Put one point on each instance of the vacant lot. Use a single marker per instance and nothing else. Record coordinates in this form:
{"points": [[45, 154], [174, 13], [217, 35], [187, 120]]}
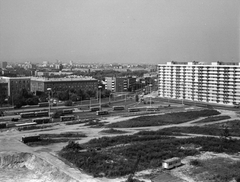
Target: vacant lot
{"points": [[216, 169], [116, 156], [166, 119]]}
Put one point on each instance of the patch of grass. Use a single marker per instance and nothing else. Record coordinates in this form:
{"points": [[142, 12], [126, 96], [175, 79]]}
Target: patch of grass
{"points": [[213, 118], [166, 119], [214, 129], [113, 131]]}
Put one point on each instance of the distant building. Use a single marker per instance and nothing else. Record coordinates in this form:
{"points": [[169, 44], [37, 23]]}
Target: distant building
{"points": [[58, 84], [16, 84], [120, 84], [4, 64], [218, 82]]}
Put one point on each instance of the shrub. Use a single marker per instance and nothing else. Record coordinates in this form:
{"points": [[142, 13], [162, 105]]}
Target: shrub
{"points": [[195, 162]]}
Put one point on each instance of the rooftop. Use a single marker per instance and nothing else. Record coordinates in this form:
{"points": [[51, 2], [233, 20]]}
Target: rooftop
{"points": [[202, 63], [43, 79]]}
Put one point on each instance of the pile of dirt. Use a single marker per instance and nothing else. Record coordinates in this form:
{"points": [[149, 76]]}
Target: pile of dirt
{"points": [[23, 167]]}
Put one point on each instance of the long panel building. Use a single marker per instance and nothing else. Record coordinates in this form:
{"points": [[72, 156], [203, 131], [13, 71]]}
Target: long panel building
{"points": [[57, 84], [218, 82]]}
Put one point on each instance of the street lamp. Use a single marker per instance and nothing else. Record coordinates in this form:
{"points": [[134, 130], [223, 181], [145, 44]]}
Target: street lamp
{"points": [[49, 91], [100, 87]]}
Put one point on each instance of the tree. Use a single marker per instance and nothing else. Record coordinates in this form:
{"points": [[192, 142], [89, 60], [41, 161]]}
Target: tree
{"points": [[137, 98], [32, 101], [73, 97]]}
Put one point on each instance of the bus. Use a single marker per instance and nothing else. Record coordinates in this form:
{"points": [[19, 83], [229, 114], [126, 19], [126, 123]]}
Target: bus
{"points": [[102, 113], [133, 109], [42, 113], [152, 109], [27, 114], [92, 109], [33, 138], [67, 111], [26, 124], [43, 104], [42, 120], [67, 118], [118, 108]]}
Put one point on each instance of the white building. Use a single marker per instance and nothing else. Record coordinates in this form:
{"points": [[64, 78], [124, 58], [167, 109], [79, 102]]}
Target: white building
{"points": [[218, 82]]}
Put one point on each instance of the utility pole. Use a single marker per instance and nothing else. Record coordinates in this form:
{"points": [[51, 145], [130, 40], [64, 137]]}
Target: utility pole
{"points": [[49, 98], [100, 87]]}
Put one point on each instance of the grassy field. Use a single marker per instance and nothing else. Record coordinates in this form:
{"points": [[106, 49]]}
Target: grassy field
{"points": [[166, 119]]}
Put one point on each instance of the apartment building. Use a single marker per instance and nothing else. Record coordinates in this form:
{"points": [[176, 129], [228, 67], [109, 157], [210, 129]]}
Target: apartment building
{"points": [[16, 84], [218, 82], [120, 84], [58, 84]]}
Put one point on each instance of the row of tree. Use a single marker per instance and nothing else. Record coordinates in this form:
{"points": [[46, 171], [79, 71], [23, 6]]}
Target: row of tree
{"points": [[25, 97]]}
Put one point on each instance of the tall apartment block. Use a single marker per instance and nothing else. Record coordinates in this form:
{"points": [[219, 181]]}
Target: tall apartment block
{"points": [[218, 82]]}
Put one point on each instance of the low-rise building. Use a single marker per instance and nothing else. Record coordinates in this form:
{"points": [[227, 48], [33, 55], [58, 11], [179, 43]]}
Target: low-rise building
{"points": [[57, 84], [120, 84]]}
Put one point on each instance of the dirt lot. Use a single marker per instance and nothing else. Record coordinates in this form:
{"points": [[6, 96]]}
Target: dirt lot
{"points": [[10, 141]]}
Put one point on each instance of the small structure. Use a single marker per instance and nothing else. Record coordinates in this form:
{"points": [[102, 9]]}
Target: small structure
{"points": [[171, 163]]}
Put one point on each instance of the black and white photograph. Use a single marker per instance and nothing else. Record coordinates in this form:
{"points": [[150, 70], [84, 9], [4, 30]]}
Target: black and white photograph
{"points": [[119, 91]]}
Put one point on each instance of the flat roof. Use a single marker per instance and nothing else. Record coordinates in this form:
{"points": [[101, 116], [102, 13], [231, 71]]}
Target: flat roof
{"points": [[42, 79], [15, 78], [172, 159]]}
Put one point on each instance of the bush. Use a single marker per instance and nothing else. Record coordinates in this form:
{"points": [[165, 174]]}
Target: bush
{"points": [[195, 162], [72, 146]]}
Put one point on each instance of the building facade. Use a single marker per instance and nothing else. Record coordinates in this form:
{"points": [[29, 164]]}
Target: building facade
{"points": [[16, 84], [59, 84], [120, 84], [4, 64], [3, 89], [217, 82]]}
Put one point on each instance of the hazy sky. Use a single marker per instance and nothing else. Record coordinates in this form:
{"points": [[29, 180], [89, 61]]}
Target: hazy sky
{"points": [[119, 31]]}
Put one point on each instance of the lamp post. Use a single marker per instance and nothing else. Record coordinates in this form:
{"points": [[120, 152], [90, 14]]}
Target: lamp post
{"points": [[49, 91], [100, 87]]}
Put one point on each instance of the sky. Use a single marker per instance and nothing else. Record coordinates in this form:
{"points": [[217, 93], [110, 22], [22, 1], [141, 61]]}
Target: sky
{"points": [[119, 31]]}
